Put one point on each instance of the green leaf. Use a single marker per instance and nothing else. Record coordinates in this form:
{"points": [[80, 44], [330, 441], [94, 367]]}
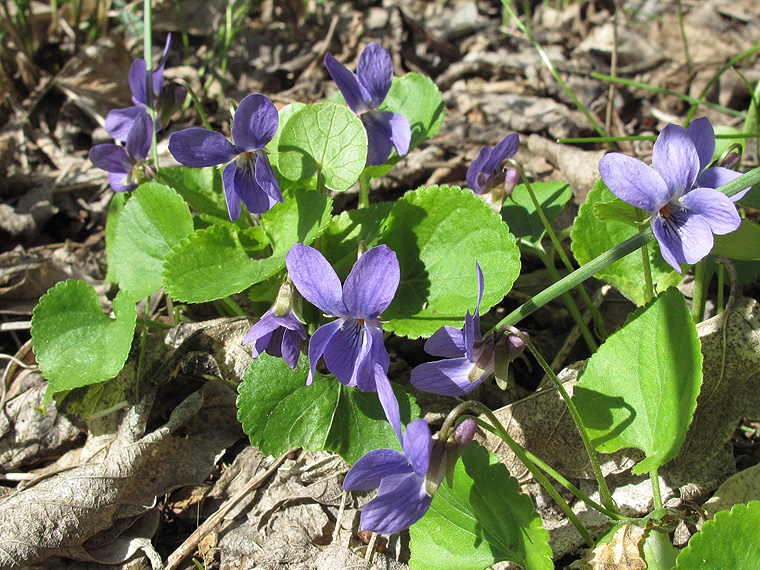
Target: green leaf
{"points": [[285, 114], [592, 237], [279, 411], [483, 519], [617, 211], [416, 97], [75, 342], [640, 388], [520, 213], [213, 263], [201, 188], [325, 137], [118, 201], [438, 233], [744, 243], [341, 239], [731, 540], [153, 221]]}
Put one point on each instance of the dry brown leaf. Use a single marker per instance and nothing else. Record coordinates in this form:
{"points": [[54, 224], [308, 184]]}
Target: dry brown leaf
{"points": [[622, 552]]}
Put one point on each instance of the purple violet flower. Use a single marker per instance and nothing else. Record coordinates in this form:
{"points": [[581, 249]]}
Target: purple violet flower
{"points": [[406, 482], [248, 177], [353, 344], [364, 91], [119, 121], [279, 332], [470, 358], [485, 177], [679, 192], [127, 164]]}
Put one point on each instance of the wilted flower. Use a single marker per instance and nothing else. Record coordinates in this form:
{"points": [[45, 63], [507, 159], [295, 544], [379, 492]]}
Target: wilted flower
{"points": [[279, 332], [470, 358], [119, 121], [248, 177], [127, 164], [679, 192], [485, 175], [406, 481], [364, 91], [353, 344]]}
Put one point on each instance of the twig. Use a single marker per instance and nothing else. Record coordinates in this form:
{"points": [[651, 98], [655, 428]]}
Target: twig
{"points": [[191, 543]]}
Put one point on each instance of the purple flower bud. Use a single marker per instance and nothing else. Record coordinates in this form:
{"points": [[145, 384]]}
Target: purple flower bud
{"points": [[731, 161], [464, 432]]}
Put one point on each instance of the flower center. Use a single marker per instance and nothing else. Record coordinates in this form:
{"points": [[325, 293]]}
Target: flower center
{"points": [[665, 210]]}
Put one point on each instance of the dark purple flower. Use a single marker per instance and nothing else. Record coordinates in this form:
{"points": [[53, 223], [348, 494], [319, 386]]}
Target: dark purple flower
{"points": [[364, 91], [119, 121], [406, 482], [279, 332], [485, 176], [127, 164], [470, 358], [679, 191], [353, 344], [248, 177]]}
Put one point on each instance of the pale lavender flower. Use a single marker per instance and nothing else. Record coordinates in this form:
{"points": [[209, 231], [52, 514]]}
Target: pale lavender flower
{"points": [[119, 121], [249, 176], [364, 91], [127, 164], [353, 344], [279, 332], [679, 191], [469, 358]]}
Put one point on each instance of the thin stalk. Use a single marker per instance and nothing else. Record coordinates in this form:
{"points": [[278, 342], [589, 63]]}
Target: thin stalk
{"points": [[685, 41], [148, 54], [721, 284], [648, 284], [554, 474], [656, 493], [198, 105], [553, 70], [604, 490], [595, 314], [583, 140], [522, 456], [731, 62], [753, 120], [569, 303], [364, 181], [700, 293], [687, 98]]}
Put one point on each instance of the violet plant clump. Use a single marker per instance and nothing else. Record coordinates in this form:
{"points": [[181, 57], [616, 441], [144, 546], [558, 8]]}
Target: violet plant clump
{"points": [[248, 176], [127, 165], [679, 192], [364, 91]]}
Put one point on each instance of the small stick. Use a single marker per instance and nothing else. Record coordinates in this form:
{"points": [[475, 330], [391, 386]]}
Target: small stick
{"points": [[192, 541]]}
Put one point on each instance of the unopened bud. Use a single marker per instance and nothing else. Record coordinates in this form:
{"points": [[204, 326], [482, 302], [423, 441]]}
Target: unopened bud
{"points": [[511, 179], [458, 441], [436, 467], [288, 299], [732, 160], [169, 101]]}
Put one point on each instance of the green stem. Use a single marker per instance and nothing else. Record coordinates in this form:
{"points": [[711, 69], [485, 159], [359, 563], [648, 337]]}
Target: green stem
{"points": [[729, 64], [553, 70], [687, 98], [648, 284], [595, 314], [569, 303], [364, 182], [700, 293], [148, 54], [604, 491], [683, 38], [554, 474], [522, 456], [656, 493]]}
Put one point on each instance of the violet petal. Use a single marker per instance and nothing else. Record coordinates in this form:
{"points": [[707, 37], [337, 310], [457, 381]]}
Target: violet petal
{"points": [[475, 181], [116, 181], [343, 351], [138, 73], [401, 132], [230, 196], [372, 283], [140, 137], [388, 400], [119, 121], [447, 342], [634, 182], [111, 158], [683, 238], [356, 96], [317, 344], [267, 180], [717, 176], [315, 279], [675, 158], [200, 148], [446, 377], [375, 72], [379, 144], [715, 208], [702, 135], [255, 122], [370, 469], [398, 508], [417, 443]]}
